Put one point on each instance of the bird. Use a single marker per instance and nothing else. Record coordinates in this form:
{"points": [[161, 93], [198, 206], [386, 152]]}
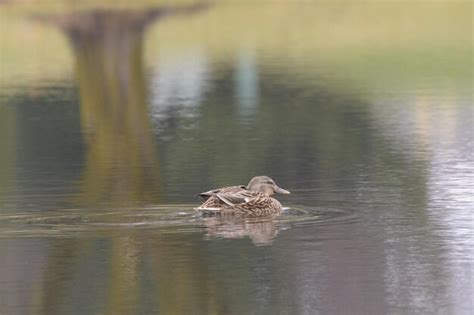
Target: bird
{"points": [[253, 200]]}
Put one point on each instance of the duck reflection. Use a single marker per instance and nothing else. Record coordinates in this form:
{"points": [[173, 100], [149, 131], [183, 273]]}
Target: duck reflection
{"points": [[262, 231]]}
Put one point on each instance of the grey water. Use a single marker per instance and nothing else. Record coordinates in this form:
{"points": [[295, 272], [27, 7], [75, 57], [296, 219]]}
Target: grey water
{"points": [[111, 122]]}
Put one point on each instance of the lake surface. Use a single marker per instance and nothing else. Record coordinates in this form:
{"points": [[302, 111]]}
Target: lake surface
{"points": [[111, 121]]}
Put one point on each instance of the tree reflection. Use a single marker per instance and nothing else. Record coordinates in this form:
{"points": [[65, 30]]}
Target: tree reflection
{"points": [[121, 155], [7, 158], [121, 160]]}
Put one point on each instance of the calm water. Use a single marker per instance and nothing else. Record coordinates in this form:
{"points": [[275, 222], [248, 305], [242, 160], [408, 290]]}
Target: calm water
{"points": [[111, 121]]}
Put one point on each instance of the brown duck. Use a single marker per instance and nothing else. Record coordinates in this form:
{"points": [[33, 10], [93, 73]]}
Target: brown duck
{"points": [[252, 200]]}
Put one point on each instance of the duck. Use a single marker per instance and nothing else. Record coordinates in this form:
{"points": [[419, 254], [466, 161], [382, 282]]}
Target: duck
{"points": [[253, 200]]}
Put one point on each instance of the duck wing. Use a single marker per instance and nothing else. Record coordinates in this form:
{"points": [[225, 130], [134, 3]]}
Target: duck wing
{"points": [[225, 191], [238, 200], [234, 198], [230, 196]]}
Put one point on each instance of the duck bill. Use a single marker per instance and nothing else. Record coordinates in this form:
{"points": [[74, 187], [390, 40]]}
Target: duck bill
{"points": [[282, 191]]}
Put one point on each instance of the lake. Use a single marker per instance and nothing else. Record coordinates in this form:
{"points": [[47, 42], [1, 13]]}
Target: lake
{"points": [[113, 117]]}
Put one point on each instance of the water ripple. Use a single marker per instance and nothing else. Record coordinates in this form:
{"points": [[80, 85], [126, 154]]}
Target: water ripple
{"points": [[174, 218]]}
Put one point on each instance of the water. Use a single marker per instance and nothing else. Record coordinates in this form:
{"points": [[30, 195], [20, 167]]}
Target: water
{"points": [[108, 132]]}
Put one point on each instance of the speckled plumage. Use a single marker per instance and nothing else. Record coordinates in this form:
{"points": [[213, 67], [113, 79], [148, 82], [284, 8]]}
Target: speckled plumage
{"points": [[252, 200]]}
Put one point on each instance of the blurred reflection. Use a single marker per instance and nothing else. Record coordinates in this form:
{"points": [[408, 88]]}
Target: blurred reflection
{"points": [[179, 85], [247, 82]]}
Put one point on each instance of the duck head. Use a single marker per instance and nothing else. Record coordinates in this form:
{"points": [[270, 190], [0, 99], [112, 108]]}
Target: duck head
{"points": [[265, 185]]}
